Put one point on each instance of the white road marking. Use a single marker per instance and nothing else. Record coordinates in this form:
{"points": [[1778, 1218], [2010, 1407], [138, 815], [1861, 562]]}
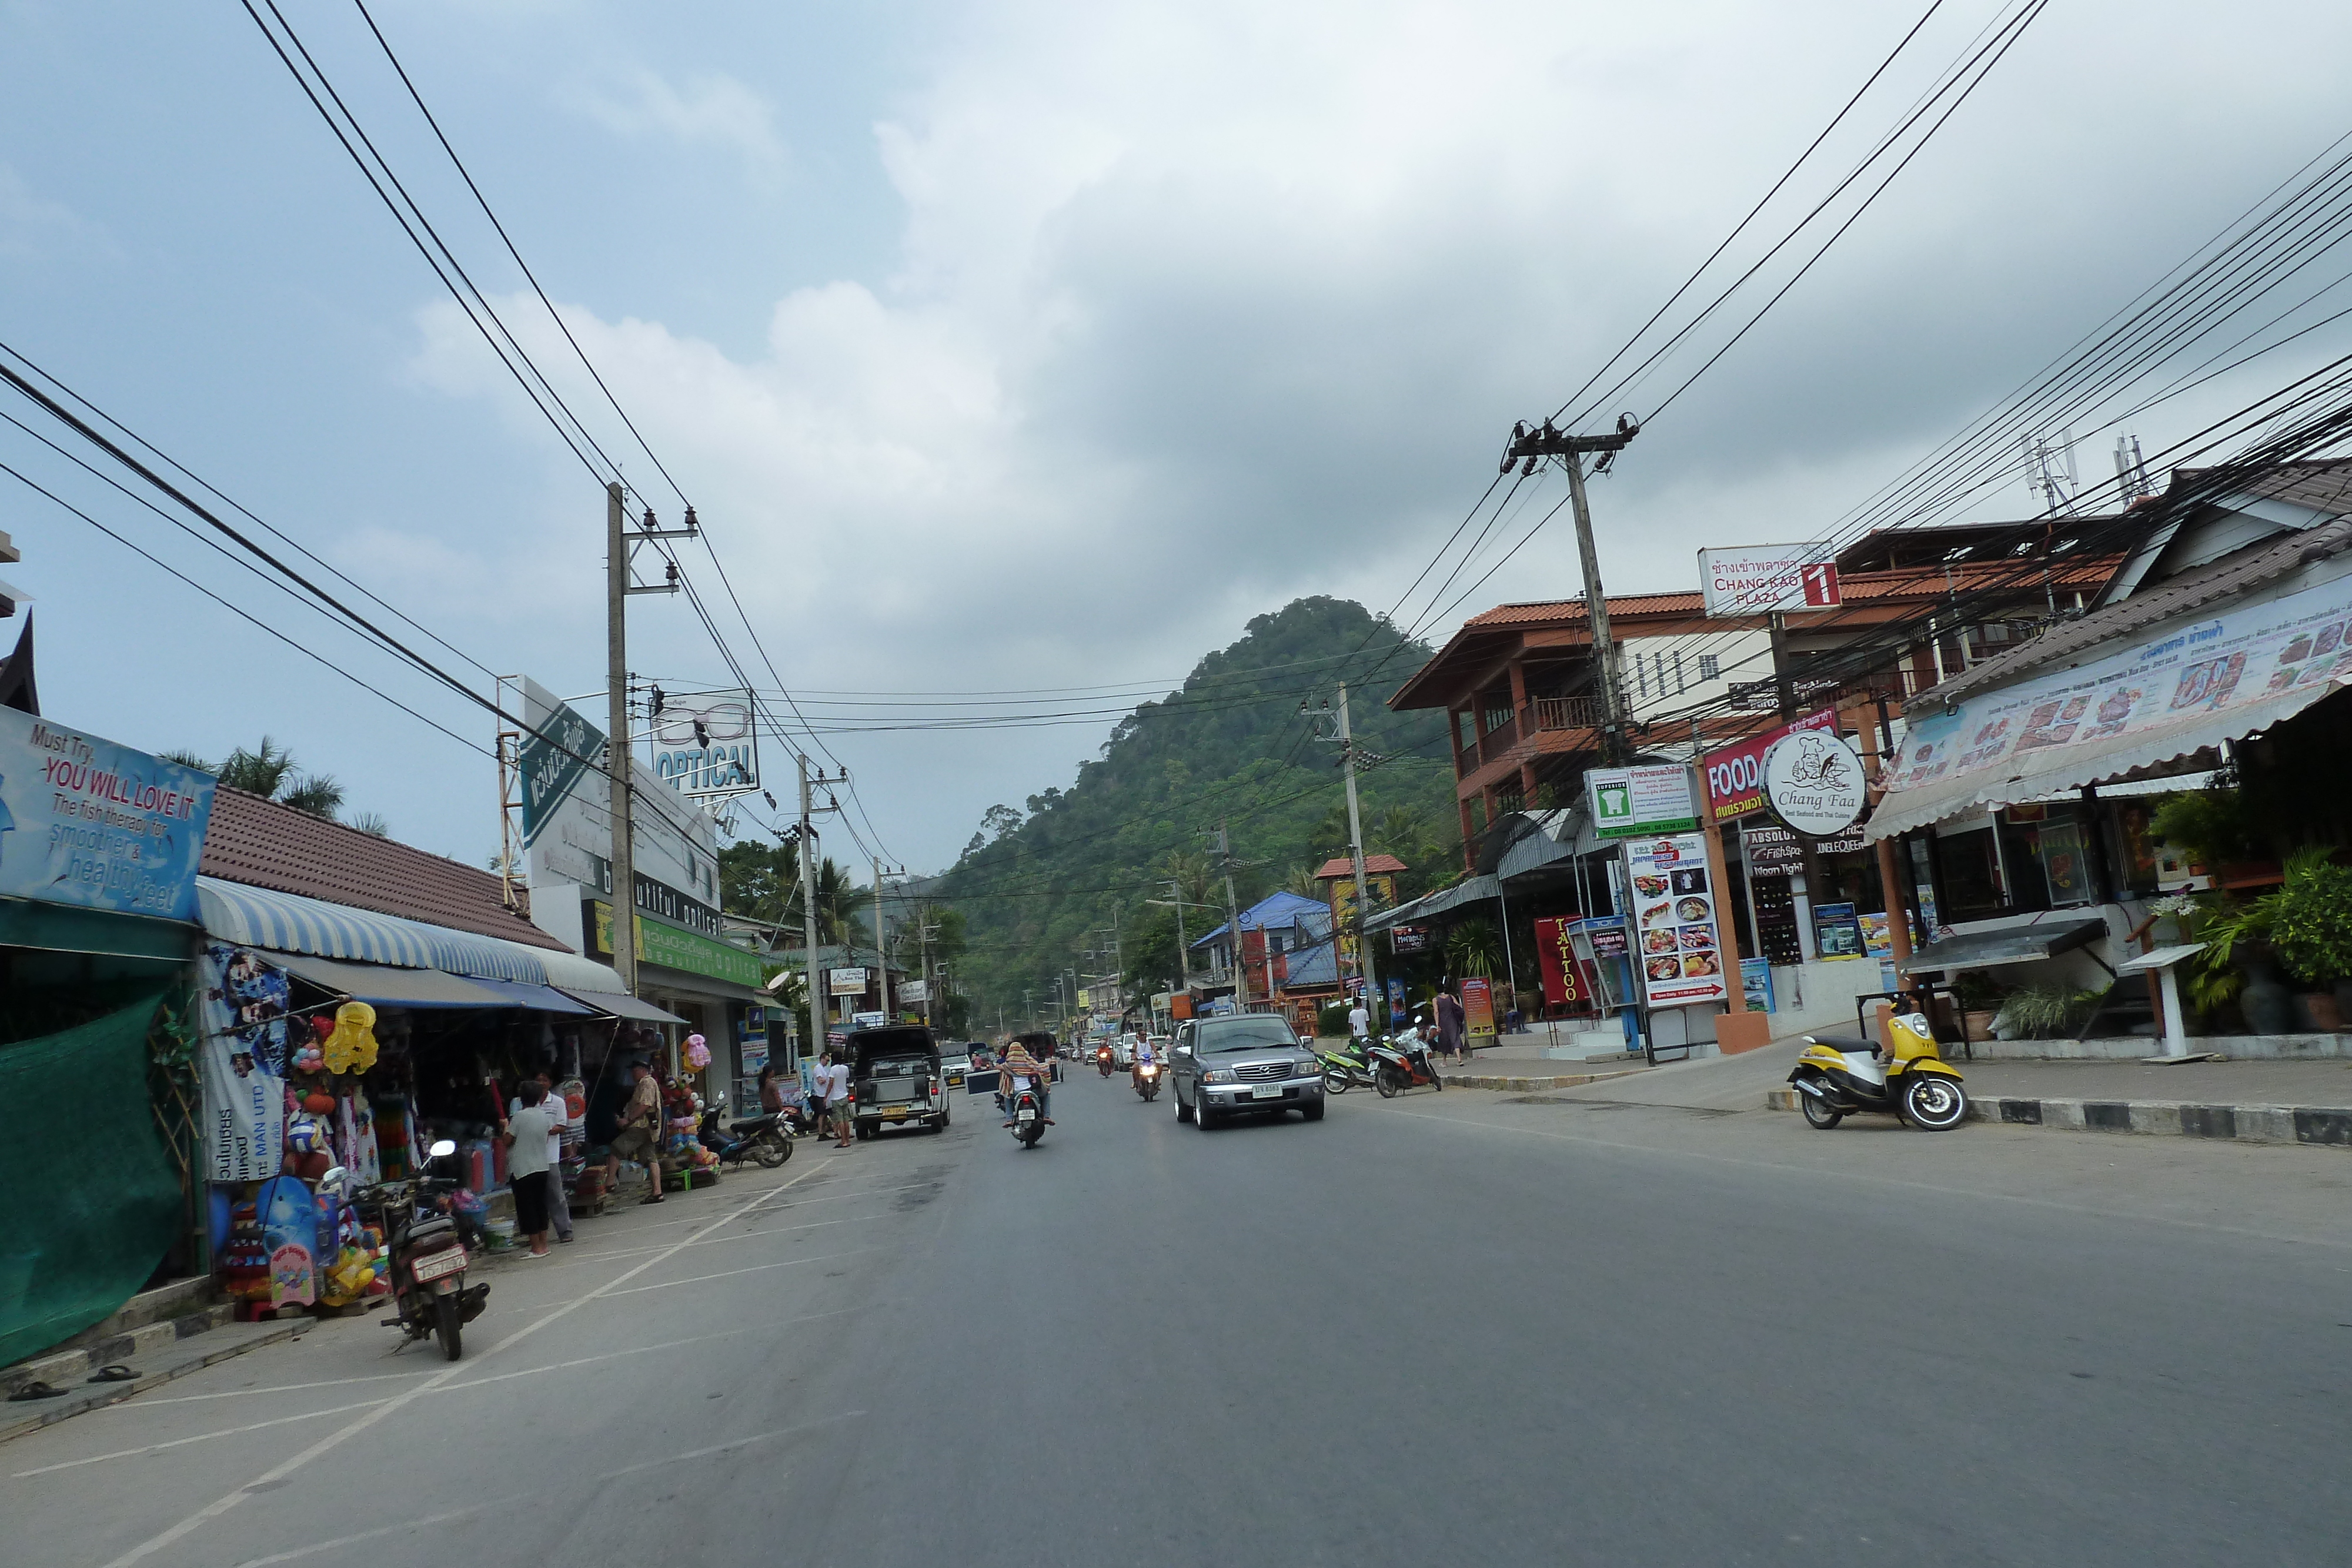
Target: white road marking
{"points": [[144, 1403], [754, 1269], [407, 1524], [574, 1259], [200, 1438], [278, 1472], [725, 1447]]}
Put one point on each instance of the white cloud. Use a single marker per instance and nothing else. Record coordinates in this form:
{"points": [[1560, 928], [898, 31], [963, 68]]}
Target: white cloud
{"points": [[709, 109]]}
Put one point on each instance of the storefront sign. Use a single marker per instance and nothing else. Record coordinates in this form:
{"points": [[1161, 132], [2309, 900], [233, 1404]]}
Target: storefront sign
{"points": [[1734, 774], [1565, 981], [1608, 941], [1408, 938], [914, 993], [672, 947], [2283, 647], [1776, 851], [1812, 782], [707, 744], [1751, 580], [87, 823], [552, 757], [844, 982], [1626, 800], [1478, 1008], [1837, 931], [751, 1041], [1755, 984], [1679, 950], [243, 1009]]}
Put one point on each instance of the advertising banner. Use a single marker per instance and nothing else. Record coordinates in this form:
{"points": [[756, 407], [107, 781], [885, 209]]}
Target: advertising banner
{"points": [[914, 993], [1837, 931], [752, 1045], [1679, 950], [551, 759], [242, 1011], [1734, 774], [1812, 782], [1404, 940], [1566, 982], [90, 823], [1478, 1010], [2251, 657], [1253, 973], [1382, 890], [707, 744], [845, 982], [1752, 580], [1626, 800]]}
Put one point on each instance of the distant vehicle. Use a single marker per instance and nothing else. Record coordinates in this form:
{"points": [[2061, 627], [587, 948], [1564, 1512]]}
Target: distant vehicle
{"points": [[1242, 1063], [895, 1078], [955, 1062], [1122, 1050]]}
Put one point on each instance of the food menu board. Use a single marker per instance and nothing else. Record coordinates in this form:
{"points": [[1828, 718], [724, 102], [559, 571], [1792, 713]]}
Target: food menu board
{"points": [[1676, 943]]}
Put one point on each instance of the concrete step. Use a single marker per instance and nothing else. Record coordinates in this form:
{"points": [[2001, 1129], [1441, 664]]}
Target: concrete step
{"points": [[163, 1355], [1520, 1083], [2327, 1125], [86, 1352]]}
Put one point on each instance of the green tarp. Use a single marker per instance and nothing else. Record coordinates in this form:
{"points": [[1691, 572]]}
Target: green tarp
{"points": [[92, 1196]]}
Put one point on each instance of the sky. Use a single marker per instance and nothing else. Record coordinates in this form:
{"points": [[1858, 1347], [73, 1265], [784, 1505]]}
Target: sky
{"points": [[1020, 346]]}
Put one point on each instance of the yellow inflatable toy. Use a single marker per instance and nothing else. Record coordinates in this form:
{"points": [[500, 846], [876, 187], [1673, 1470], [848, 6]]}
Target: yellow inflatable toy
{"points": [[351, 1047]]}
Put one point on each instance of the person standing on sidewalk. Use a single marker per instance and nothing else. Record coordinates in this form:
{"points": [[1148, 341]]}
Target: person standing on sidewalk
{"points": [[639, 1136], [528, 1133], [1449, 1036], [558, 1208], [836, 1099], [1359, 1026]]}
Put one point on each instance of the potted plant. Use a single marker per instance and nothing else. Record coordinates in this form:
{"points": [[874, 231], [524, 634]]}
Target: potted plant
{"points": [[2311, 929], [2237, 965], [1979, 1003]]}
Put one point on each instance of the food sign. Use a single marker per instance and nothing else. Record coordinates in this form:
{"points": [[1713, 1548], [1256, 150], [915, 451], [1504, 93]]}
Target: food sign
{"points": [[1812, 782], [1734, 774], [1676, 943]]}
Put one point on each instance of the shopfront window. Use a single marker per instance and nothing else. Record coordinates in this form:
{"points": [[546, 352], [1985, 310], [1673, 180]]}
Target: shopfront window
{"points": [[1973, 881]]}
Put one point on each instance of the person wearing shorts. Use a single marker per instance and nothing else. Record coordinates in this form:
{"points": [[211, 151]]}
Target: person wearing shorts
{"points": [[838, 1099], [640, 1133]]}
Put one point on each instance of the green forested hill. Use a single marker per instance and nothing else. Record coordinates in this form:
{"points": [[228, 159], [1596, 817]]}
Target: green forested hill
{"points": [[1036, 885]]}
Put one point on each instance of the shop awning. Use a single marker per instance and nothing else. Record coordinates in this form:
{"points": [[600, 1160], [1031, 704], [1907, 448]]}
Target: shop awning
{"points": [[538, 998], [620, 1004], [1471, 889], [289, 922], [2013, 945], [380, 985]]}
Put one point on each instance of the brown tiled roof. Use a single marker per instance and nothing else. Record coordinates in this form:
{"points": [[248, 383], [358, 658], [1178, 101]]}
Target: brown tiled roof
{"points": [[1859, 587], [1374, 864], [261, 843]]}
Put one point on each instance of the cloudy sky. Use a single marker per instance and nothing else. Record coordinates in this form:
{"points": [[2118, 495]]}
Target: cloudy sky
{"points": [[1020, 346]]}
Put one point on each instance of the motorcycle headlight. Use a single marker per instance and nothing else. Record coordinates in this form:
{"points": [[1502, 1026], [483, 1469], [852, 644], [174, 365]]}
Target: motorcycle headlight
{"points": [[1218, 1075]]}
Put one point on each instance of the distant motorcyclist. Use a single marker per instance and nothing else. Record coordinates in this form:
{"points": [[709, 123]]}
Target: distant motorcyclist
{"points": [[1143, 1055]]}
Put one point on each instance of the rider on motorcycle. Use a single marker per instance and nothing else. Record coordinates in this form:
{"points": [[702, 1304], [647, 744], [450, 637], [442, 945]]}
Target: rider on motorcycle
{"points": [[1022, 1069], [1142, 1055]]}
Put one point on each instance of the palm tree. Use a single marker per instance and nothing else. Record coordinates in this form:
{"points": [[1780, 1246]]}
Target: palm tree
{"points": [[1303, 881], [1472, 948], [270, 771]]}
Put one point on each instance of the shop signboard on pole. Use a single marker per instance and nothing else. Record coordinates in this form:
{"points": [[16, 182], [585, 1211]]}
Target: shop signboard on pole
{"points": [[1812, 782], [1478, 1010], [1678, 945], [86, 822], [1405, 939], [1566, 980], [1734, 774], [707, 744], [1756, 580], [1629, 801], [844, 982]]}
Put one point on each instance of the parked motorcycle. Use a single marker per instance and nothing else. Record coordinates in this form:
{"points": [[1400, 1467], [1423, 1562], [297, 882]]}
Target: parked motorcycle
{"points": [[1399, 1065], [429, 1294], [1146, 1080], [1344, 1070], [1028, 1117], [1840, 1074]]}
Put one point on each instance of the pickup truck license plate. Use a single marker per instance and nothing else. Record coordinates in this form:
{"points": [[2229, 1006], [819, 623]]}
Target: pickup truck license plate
{"points": [[439, 1263]]}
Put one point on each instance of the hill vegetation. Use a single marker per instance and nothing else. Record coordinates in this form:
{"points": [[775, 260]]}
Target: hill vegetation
{"points": [[1043, 885]]}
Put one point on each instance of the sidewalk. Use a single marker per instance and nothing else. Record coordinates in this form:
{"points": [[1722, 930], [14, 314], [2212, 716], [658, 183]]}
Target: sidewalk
{"points": [[2269, 1102]]}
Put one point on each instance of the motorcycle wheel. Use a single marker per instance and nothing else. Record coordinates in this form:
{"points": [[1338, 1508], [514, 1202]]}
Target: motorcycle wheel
{"points": [[770, 1154], [1385, 1081], [1818, 1114], [1936, 1104], [1334, 1081], [448, 1327]]}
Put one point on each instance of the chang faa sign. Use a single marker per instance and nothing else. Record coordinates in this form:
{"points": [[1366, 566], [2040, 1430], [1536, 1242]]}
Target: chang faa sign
{"points": [[1734, 774], [1754, 580]]}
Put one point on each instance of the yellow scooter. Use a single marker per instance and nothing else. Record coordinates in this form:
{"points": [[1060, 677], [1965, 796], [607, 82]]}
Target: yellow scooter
{"points": [[1838, 1075]]}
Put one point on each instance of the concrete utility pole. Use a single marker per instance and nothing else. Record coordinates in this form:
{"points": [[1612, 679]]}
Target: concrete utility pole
{"points": [[881, 954], [1233, 915], [808, 901], [619, 546], [1545, 441], [1374, 1002]]}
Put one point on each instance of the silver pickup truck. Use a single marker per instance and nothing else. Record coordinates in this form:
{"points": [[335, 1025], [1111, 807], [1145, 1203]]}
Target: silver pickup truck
{"points": [[1246, 1063], [896, 1079]]}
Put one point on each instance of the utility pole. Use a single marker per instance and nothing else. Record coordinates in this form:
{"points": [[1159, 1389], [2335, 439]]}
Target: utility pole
{"points": [[817, 1038], [1533, 446], [619, 551], [1233, 916], [1375, 1003]]}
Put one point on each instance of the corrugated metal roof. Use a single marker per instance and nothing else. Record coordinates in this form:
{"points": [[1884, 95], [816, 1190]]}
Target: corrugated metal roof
{"points": [[2225, 579], [261, 843]]}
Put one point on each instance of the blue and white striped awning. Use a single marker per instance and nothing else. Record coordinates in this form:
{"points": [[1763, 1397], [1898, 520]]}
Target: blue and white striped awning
{"points": [[290, 922]]}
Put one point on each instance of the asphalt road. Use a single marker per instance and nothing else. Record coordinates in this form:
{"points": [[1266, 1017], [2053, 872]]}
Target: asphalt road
{"points": [[1448, 1329]]}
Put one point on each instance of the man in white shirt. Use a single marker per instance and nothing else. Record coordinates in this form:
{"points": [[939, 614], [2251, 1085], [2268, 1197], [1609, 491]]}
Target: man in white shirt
{"points": [[1359, 1023], [1142, 1056], [559, 1208], [836, 1099]]}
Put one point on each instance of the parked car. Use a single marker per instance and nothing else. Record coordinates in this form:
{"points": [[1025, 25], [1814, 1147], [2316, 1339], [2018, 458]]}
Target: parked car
{"points": [[1240, 1065], [896, 1079]]}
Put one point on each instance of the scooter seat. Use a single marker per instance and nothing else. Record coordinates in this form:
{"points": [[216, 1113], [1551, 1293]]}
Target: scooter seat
{"points": [[425, 1230], [751, 1124], [1842, 1041]]}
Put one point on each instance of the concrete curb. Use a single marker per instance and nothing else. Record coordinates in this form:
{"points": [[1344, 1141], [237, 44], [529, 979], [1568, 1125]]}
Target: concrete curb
{"points": [[2244, 1124], [19, 1419], [1533, 1085]]}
